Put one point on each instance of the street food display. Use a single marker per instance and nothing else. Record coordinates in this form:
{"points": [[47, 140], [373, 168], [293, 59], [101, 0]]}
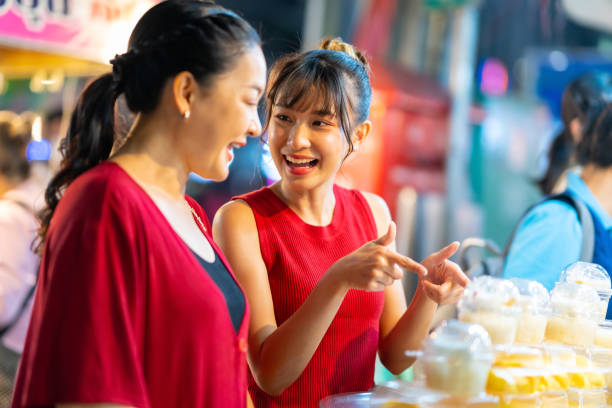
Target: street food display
{"points": [[514, 346]]}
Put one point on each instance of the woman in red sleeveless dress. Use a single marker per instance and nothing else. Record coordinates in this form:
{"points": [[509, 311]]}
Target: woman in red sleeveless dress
{"points": [[317, 261]]}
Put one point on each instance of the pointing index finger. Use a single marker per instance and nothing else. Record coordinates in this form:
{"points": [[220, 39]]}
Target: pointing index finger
{"points": [[407, 263]]}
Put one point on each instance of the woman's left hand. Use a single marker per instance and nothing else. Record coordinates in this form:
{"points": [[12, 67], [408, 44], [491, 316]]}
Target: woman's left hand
{"points": [[445, 281]]}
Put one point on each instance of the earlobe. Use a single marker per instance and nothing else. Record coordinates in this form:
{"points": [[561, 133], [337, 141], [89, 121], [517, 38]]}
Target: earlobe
{"points": [[361, 133], [183, 91]]}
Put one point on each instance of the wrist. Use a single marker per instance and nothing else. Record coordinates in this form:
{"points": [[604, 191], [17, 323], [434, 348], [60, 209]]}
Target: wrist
{"points": [[421, 295], [332, 284]]}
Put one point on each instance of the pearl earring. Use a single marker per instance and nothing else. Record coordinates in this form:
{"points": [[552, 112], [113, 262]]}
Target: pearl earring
{"points": [[187, 114]]}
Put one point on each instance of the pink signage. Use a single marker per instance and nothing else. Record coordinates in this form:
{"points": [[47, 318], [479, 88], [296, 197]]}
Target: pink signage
{"points": [[90, 29]]}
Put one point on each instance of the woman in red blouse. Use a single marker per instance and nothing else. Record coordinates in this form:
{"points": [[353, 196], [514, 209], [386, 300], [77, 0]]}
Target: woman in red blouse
{"points": [[317, 261], [136, 306]]}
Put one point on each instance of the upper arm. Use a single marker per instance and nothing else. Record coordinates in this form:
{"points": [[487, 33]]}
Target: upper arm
{"points": [[235, 231], [548, 239], [395, 299]]}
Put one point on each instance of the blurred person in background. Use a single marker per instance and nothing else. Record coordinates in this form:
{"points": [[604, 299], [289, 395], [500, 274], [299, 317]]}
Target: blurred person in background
{"points": [[53, 132], [318, 261], [21, 196], [582, 102], [550, 235], [135, 305]]}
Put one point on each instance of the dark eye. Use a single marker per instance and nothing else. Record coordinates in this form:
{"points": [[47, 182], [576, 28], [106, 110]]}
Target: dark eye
{"points": [[320, 123], [283, 118]]}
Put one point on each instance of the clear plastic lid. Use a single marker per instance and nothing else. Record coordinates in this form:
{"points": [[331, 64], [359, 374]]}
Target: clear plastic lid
{"points": [[602, 357], [490, 294], [588, 274], [533, 296], [575, 300], [453, 337], [518, 356], [412, 392], [557, 355]]}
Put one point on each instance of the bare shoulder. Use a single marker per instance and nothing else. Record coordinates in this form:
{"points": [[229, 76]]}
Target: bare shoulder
{"points": [[235, 215], [380, 211], [235, 231]]}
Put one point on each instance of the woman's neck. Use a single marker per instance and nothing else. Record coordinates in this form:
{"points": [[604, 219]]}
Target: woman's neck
{"points": [[314, 207], [150, 158], [599, 181]]}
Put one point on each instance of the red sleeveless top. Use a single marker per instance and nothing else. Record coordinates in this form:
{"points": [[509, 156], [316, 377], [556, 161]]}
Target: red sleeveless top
{"points": [[297, 255]]}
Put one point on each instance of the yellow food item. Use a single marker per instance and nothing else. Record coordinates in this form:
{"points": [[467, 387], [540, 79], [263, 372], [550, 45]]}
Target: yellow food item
{"points": [[550, 383], [519, 357], [527, 385], [578, 380], [396, 404], [501, 382], [563, 380], [587, 380]]}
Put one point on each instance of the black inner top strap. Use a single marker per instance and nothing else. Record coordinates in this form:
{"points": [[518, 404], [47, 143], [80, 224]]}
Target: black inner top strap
{"points": [[234, 298]]}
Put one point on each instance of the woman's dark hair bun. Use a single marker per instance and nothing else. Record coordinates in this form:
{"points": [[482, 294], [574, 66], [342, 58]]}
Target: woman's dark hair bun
{"points": [[336, 44]]}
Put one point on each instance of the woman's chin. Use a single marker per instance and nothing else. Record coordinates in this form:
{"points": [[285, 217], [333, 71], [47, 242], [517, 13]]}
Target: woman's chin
{"points": [[216, 175]]}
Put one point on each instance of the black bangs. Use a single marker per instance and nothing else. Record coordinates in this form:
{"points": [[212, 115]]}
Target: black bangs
{"points": [[310, 83], [303, 90]]}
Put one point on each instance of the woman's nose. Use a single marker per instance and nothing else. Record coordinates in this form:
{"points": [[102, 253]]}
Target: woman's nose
{"points": [[298, 137], [254, 129]]}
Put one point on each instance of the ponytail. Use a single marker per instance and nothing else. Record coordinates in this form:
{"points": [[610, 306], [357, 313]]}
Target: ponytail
{"points": [[89, 141], [559, 159]]}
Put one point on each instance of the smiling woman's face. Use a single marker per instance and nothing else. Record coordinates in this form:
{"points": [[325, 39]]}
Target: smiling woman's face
{"points": [[308, 145], [224, 115]]}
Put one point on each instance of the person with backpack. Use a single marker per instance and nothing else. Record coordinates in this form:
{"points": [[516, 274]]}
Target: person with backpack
{"points": [[135, 305], [552, 234]]}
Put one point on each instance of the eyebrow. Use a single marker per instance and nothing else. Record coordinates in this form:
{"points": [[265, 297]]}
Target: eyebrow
{"points": [[323, 112], [320, 112]]}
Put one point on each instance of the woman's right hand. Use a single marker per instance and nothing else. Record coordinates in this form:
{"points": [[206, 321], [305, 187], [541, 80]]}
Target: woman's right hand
{"points": [[374, 266]]}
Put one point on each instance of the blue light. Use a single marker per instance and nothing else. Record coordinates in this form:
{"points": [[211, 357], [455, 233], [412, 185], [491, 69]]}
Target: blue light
{"points": [[38, 150]]}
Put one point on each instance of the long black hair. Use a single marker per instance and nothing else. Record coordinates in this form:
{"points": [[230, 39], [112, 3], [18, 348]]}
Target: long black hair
{"points": [[583, 99], [173, 36], [597, 146]]}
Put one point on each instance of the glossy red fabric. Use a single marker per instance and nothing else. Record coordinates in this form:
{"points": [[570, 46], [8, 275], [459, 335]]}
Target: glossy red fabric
{"points": [[297, 255], [124, 313]]}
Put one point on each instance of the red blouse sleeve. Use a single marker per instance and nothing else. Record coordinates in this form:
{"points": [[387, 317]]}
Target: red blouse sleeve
{"points": [[85, 339]]}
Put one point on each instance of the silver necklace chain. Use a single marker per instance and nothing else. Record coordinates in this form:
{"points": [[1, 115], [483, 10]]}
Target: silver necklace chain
{"points": [[196, 216]]}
